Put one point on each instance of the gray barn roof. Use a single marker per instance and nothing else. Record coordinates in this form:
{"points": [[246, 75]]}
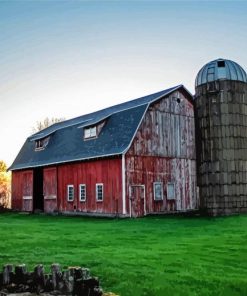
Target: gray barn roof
{"points": [[66, 142]]}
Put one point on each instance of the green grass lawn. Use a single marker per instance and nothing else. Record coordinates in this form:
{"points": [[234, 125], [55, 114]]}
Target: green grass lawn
{"points": [[148, 256]]}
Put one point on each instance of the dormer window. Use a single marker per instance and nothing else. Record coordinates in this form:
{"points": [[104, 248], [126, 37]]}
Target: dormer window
{"points": [[93, 131], [90, 132], [41, 143]]}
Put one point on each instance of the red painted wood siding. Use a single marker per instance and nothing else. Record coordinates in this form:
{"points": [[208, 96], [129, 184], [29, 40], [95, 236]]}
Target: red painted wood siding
{"points": [[105, 171], [22, 190], [16, 191], [164, 151], [50, 189]]}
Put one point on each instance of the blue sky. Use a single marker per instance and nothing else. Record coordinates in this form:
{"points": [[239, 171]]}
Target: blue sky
{"points": [[68, 58]]}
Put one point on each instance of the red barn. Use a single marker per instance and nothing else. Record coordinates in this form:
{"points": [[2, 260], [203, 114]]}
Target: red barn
{"points": [[132, 159]]}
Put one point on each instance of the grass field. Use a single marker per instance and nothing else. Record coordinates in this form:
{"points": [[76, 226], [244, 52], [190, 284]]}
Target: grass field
{"points": [[148, 256]]}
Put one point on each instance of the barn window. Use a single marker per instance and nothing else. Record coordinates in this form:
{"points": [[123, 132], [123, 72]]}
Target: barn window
{"points": [[158, 192], [90, 132], [99, 192], [170, 191], [70, 192], [41, 143], [82, 192]]}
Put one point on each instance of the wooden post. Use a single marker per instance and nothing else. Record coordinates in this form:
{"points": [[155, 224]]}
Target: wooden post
{"points": [[20, 273], [39, 277], [7, 269], [69, 280], [55, 270]]}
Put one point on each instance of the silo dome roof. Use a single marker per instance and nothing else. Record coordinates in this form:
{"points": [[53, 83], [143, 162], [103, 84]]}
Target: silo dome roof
{"points": [[220, 69]]}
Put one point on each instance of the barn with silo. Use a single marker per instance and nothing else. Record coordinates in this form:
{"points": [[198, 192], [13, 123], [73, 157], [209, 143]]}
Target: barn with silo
{"points": [[163, 153]]}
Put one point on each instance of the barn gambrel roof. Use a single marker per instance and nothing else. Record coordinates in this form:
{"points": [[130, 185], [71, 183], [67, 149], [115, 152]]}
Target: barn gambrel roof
{"points": [[66, 142]]}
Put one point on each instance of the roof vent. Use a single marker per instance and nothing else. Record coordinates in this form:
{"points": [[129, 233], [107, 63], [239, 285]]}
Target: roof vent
{"points": [[221, 64]]}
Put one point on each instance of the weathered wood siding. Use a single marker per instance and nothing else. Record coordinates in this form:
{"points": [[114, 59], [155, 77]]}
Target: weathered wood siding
{"points": [[221, 118], [105, 171], [22, 190], [164, 151], [50, 189]]}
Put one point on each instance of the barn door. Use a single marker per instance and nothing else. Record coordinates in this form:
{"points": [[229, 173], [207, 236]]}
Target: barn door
{"points": [[50, 190], [137, 201], [27, 191], [38, 198]]}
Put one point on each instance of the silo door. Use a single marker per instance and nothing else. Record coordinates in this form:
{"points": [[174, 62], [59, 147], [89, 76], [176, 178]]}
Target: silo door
{"points": [[137, 201]]}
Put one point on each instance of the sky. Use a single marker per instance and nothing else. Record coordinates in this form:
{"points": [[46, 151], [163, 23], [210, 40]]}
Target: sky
{"points": [[69, 58]]}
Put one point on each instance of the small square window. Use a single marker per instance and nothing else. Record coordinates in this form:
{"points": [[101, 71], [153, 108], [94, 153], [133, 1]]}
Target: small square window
{"points": [[170, 191], [70, 192], [90, 132], [158, 190], [99, 192], [82, 192]]}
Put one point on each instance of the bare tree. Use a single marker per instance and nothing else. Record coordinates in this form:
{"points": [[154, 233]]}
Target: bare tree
{"points": [[5, 180], [40, 125]]}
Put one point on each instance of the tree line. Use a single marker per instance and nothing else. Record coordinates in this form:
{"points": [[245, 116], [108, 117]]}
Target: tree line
{"points": [[5, 181]]}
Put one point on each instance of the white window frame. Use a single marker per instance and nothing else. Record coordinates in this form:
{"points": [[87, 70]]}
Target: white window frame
{"points": [[154, 187], [82, 198], [169, 197], [90, 132], [97, 192], [68, 192]]}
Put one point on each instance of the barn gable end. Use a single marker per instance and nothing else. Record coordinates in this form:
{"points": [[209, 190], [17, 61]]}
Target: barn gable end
{"points": [[162, 158]]}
